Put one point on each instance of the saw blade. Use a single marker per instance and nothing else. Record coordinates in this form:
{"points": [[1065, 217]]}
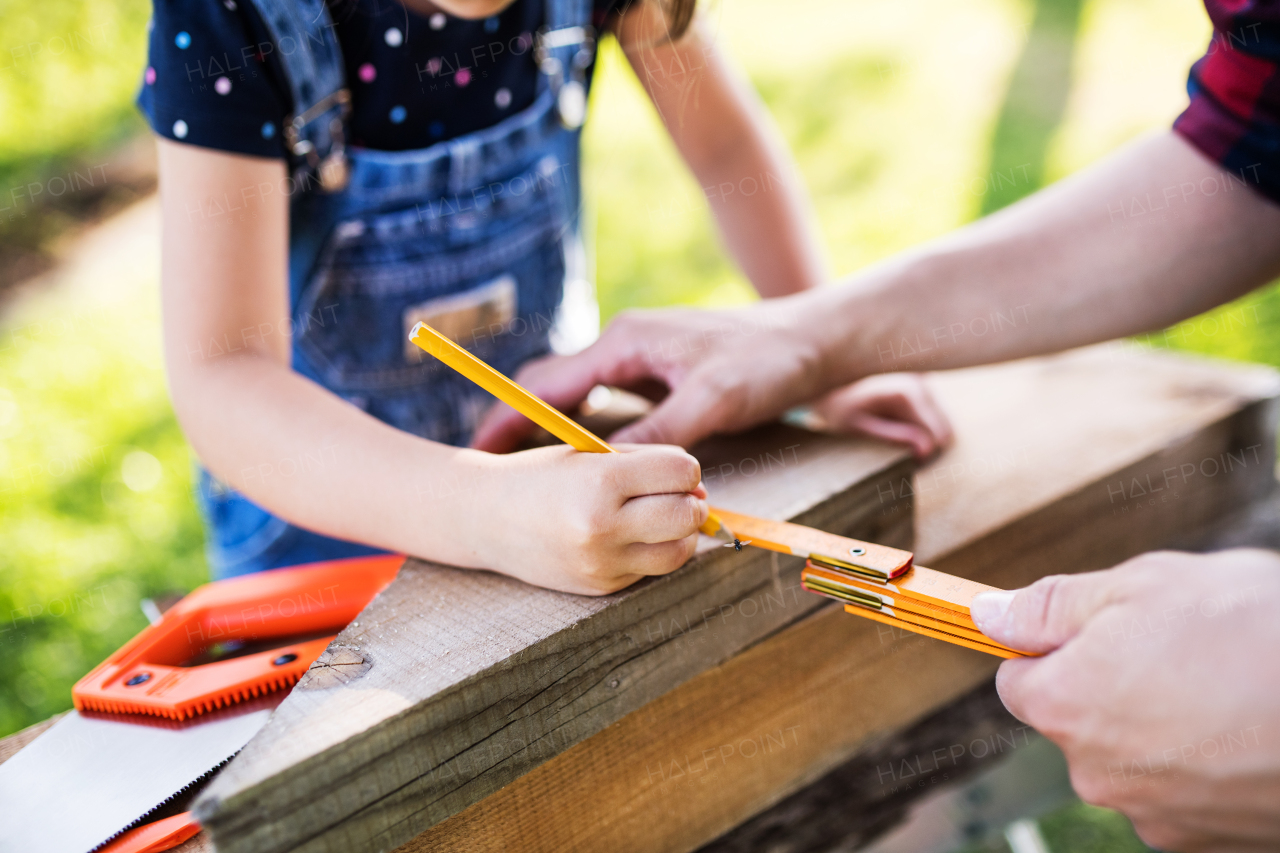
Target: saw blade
{"points": [[90, 776]]}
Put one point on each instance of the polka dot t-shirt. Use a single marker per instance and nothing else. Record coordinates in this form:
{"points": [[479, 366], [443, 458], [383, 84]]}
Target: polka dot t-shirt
{"points": [[213, 77]]}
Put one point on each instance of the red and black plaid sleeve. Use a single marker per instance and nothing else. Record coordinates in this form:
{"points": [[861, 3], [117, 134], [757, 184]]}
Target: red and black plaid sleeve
{"points": [[1234, 115]]}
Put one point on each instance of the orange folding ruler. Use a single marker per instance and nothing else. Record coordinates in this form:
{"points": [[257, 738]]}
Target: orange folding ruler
{"points": [[874, 581]]}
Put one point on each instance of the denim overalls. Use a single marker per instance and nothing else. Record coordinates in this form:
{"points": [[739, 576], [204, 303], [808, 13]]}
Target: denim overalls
{"points": [[471, 231]]}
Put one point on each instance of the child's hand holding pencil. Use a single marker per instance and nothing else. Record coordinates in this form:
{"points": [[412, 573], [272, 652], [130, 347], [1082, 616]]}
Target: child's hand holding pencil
{"points": [[586, 518], [588, 523]]}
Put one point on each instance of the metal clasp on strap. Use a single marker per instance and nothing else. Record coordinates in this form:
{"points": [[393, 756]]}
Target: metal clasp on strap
{"points": [[562, 37], [332, 170], [570, 89]]}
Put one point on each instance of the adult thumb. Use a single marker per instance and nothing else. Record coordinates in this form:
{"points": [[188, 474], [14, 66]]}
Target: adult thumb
{"points": [[1043, 616]]}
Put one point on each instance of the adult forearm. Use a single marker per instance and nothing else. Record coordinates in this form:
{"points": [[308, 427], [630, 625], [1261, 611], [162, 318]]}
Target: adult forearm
{"points": [[1153, 234], [315, 460]]}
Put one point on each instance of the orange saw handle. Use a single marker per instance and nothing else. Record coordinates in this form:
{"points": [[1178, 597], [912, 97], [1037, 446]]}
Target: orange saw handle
{"points": [[147, 675], [164, 834]]}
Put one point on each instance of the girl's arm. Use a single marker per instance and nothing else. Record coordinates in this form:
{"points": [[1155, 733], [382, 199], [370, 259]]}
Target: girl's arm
{"points": [[725, 136], [579, 522]]}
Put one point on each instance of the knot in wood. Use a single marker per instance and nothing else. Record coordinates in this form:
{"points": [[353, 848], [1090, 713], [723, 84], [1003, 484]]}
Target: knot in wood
{"points": [[336, 665]]}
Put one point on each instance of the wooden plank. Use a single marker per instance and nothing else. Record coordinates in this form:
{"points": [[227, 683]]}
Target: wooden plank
{"points": [[1054, 470], [1077, 421], [874, 790], [469, 680]]}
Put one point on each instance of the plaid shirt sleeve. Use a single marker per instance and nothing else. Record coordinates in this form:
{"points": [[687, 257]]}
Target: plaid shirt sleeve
{"points": [[1234, 115]]}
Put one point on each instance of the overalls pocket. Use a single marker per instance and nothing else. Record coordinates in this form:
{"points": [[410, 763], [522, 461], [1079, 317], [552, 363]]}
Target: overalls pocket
{"points": [[487, 266]]}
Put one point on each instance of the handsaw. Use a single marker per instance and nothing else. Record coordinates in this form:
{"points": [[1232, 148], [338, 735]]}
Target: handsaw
{"points": [[875, 581], [175, 703]]}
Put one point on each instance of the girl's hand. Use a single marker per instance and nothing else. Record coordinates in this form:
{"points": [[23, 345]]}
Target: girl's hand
{"points": [[896, 407], [588, 523]]}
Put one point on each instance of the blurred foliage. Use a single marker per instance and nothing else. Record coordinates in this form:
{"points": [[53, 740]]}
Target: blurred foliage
{"points": [[1034, 104], [68, 73], [1079, 828], [95, 489], [78, 548], [1247, 329]]}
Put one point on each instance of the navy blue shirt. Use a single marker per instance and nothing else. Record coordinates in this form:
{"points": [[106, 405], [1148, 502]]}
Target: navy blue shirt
{"points": [[213, 78]]}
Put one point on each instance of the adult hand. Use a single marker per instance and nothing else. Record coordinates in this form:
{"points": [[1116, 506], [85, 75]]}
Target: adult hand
{"points": [[713, 371], [1161, 683], [895, 407]]}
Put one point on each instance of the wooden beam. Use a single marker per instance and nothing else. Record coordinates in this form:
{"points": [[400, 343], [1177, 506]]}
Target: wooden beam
{"points": [[875, 790], [467, 681], [1062, 464]]}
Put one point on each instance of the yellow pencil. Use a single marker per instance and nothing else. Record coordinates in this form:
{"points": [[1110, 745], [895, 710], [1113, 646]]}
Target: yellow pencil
{"points": [[530, 405]]}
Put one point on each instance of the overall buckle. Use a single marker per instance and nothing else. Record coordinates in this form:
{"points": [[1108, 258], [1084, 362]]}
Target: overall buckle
{"points": [[333, 171]]}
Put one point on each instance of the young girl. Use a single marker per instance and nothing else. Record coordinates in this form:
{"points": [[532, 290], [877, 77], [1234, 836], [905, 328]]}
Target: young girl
{"points": [[333, 173]]}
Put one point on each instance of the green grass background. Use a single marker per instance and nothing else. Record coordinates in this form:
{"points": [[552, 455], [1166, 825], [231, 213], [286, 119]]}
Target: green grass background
{"points": [[902, 116]]}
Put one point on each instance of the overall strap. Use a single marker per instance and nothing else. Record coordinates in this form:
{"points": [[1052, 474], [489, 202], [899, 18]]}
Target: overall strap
{"points": [[568, 13], [564, 49], [306, 43]]}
